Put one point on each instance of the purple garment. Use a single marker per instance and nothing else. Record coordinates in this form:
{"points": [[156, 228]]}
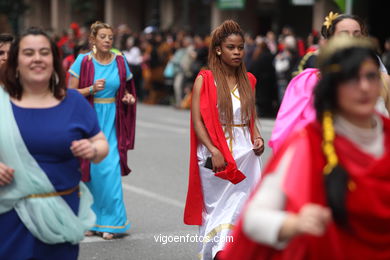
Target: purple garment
{"points": [[125, 114]]}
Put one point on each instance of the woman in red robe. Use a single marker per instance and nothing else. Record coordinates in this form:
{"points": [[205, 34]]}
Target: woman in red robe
{"points": [[326, 193]]}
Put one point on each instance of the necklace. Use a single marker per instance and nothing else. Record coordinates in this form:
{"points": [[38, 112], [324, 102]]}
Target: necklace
{"points": [[103, 60]]}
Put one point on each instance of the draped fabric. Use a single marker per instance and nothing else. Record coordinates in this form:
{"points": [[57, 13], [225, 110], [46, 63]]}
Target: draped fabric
{"points": [[49, 219], [297, 108], [125, 117], [210, 116], [367, 235]]}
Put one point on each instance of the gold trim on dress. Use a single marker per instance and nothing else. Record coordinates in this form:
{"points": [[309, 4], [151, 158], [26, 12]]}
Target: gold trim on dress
{"points": [[53, 194], [103, 100], [238, 125], [234, 88], [118, 227], [234, 95], [74, 74], [218, 229]]}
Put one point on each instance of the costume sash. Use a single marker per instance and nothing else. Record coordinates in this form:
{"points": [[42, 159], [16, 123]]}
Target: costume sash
{"points": [[49, 219]]}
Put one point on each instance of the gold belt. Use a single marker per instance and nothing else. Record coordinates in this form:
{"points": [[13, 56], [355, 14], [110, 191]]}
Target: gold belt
{"points": [[104, 100], [240, 125], [53, 194]]}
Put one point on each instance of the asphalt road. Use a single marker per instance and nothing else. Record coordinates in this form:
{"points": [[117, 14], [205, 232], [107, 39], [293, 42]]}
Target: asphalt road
{"points": [[155, 191]]}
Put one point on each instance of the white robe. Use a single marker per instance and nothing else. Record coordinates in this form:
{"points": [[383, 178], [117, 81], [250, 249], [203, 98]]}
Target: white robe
{"points": [[224, 200]]}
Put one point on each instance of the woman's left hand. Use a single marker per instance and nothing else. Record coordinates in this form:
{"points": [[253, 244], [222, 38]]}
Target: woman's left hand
{"points": [[128, 99], [84, 149], [258, 146]]}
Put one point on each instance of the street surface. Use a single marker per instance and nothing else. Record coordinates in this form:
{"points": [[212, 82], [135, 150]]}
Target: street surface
{"points": [[155, 191]]}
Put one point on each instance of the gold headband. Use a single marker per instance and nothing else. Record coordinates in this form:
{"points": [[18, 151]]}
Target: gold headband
{"points": [[341, 42], [329, 19]]}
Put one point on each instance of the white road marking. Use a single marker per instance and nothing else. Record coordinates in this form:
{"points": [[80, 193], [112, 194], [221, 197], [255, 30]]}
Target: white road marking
{"points": [[176, 129], [153, 195]]}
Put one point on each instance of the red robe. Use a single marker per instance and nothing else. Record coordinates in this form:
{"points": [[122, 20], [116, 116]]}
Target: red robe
{"points": [[368, 205], [209, 112], [125, 114]]}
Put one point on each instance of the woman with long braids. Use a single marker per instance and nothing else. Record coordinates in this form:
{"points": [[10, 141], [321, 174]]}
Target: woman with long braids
{"points": [[325, 194], [297, 108], [225, 142]]}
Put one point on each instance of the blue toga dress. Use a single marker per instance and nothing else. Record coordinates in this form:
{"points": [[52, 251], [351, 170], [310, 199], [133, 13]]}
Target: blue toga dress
{"points": [[106, 184], [48, 134]]}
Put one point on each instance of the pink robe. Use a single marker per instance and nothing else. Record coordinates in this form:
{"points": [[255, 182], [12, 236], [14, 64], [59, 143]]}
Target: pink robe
{"points": [[297, 108]]}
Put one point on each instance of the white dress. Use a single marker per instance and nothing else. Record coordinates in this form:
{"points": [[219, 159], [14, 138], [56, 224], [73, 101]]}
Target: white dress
{"points": [[223, 199]]}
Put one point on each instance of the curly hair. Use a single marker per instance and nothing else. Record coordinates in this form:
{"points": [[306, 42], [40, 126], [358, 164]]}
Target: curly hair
{"points": [[96, 26]]}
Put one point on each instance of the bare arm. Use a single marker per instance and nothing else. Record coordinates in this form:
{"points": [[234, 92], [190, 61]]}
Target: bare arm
{"points": [[200, 129], [97, 86], [93, 149], [265, 219], [258, 142]]}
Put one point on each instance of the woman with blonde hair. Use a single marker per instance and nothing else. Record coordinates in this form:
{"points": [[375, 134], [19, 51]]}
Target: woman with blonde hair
{"points": [[225, 141], [104, 78]]}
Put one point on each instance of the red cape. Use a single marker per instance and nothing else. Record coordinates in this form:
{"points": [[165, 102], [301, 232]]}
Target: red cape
{"points": [[368, 236], [125, 114], [209, 112]]}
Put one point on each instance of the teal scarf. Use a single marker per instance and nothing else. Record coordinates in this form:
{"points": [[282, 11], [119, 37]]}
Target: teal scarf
{"points": [[49, 219]]}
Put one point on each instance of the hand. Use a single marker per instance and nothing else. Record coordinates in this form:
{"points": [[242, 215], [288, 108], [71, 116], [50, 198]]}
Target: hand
{"points": [[128, 99], [6, 174], [258, 146], [84, 149], [99, 85], [218, 160], [313, 219]]}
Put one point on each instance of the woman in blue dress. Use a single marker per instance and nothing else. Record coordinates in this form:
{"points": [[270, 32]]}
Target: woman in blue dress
{"points": [[104, 78], [44, 207]]}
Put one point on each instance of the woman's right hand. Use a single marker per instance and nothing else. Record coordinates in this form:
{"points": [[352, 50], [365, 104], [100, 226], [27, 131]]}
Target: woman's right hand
{"points": [[6, 174], [313, 219], [99, 85], [218, 160]]}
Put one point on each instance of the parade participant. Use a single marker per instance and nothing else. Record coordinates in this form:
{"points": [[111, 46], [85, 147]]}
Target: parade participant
{"points": [[297, 109], [225, 141], [105, 79], [44, 208], [325, 192], [5, 44]]}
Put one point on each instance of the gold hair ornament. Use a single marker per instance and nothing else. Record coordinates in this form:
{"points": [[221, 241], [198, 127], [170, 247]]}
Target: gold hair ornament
{"points": [[338, 43], [327, 144], [332, 68], [329, 19]]}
